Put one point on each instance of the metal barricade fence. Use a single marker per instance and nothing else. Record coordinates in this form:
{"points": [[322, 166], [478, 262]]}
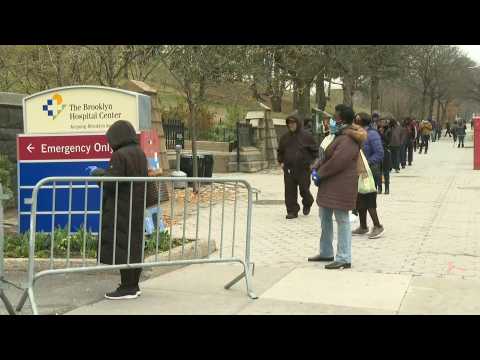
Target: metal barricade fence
{"points": [[3, 296], [240, 252]]}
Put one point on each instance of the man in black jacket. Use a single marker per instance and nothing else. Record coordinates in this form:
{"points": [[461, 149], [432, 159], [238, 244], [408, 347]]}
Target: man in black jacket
{"points": [[297, 150]]}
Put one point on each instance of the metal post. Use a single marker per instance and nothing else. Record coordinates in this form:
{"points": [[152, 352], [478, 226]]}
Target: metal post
{"points": [[178, 149], [3, 297], [238, 146]]}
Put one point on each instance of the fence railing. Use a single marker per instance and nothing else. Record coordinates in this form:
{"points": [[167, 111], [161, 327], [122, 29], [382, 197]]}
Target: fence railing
{"points": [[176, 133], [3, 296], [119, 189]]}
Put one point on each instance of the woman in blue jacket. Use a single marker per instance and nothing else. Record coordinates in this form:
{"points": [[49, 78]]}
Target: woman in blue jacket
{"points": [[373, 150]]}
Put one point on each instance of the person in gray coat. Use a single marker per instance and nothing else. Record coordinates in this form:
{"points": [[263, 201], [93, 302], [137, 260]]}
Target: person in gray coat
{"points": [[396, 143], [461, 132]]}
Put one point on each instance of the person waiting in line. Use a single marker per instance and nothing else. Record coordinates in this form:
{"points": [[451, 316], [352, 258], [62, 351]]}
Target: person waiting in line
{"points": [[461, 132], [128, 160], [297, 151], [337, 179], [395, 143], [407, 143], [373, 151], [387, 159], [425, 131], [448, 132]]}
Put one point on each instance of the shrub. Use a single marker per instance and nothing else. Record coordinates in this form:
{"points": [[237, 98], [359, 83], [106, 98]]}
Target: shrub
{"points": [[6, 170]]}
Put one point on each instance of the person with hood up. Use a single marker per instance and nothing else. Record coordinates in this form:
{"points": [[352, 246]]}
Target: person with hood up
{"points": [[297, 150], [128, 160], [337, 179]]}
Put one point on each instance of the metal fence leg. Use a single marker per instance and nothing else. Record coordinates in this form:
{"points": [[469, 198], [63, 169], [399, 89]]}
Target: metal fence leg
{"points": [[7, 303], [248, 281], [32, 301], [22, 301]]}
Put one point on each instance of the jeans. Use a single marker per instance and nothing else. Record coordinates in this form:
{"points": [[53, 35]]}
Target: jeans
{"points": [[344, 245], [461, 139]]}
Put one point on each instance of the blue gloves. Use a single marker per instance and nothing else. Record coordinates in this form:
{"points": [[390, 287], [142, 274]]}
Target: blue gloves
{"points": [[90, 169], [315, 178]]}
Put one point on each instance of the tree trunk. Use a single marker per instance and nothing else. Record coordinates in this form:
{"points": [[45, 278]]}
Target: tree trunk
{"points": [[424, 100], [201, 90], [430, 106], [295, 95], [348, 89], [374, 93], [303, 97], [320, 95], [193, 128], [438, 113], [276, 102]]}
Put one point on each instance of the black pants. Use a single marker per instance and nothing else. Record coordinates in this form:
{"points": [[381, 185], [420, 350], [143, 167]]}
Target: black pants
{"points": [[386, 176], [297, 179], [424, 143], [130, 277], [395, 157], [409, 149], [461, 139], [448, 132]]}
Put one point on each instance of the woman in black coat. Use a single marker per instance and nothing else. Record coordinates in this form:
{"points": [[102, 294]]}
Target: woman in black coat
{"points": [[128, 160], [385, 134]]}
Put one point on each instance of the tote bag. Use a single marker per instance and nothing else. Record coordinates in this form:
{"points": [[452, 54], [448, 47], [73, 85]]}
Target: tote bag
{"points": [[366, 183]]}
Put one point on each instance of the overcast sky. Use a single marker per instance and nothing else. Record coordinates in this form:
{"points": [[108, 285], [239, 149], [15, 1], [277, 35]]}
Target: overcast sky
{"points": [[473, 51]]}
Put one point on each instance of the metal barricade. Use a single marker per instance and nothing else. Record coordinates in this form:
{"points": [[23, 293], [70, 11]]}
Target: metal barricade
{"points": [[240, 252], [3, 296]]}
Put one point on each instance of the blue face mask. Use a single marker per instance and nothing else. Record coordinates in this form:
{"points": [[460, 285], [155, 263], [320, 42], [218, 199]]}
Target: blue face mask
{"points": [[333, 127]]}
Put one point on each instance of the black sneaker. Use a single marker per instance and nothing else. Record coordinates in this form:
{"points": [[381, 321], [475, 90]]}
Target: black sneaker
{"points": [[291, 216], [306, 210], [338, 265], [123, 293]]}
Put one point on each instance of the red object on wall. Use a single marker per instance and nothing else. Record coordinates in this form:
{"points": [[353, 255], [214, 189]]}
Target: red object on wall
{"points": [[476, 143], [150, 143]]}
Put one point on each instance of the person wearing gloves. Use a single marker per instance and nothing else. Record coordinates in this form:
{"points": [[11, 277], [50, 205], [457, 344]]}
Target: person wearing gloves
{"points": [[336, 176], [297, 151], [128, 160]]}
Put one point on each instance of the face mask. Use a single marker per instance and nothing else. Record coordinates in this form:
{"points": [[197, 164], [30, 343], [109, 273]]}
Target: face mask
{"points": [[333, 127]]}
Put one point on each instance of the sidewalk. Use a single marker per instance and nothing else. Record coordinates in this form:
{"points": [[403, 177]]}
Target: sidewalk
{"points": [[426, 262]]}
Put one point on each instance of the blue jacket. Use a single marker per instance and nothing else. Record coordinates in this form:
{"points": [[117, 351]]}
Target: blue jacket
{"points": [[373, 147]]}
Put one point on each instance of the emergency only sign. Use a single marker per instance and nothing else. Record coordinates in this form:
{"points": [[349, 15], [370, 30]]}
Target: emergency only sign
{"points": [[64, 134]]}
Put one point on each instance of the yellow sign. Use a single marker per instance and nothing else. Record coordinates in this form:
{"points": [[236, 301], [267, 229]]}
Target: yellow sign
{"points": [[82, 109]]}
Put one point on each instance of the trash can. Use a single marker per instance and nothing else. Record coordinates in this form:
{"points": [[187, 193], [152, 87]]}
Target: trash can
{"points": [[208, 161], [186, 165]]}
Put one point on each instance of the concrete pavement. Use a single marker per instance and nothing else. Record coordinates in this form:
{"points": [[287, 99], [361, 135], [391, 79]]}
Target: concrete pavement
{"points": [[427, 262]]}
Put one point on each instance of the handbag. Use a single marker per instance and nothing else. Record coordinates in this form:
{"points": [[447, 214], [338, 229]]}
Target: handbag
{"points": [[366, 182]]}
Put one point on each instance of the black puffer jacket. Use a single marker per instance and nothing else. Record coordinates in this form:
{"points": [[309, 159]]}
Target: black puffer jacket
{"points": [[297, 150]]}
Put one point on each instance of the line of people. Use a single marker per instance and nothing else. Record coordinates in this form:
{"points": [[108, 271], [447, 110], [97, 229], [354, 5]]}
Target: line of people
{"points": [[342, 173]]}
